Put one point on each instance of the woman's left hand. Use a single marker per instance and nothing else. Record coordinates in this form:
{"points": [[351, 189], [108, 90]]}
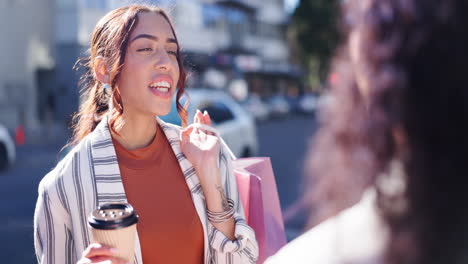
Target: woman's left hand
{"points": [[201, 147]]}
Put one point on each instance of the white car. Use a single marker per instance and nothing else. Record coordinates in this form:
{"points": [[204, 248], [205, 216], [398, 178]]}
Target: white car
{"points": [[308, 103], [258, 108], [235, 125], [279, 106], [7, 149]]}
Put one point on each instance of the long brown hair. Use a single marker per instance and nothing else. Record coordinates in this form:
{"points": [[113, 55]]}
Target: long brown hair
{"points": [[109, 40], [413, 58]]}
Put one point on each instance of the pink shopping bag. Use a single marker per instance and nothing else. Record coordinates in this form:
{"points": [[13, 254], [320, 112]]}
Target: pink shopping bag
{"points": [[259, 196]]}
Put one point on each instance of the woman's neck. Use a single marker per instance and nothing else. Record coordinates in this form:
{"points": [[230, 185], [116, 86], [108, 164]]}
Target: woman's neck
{"points": [[138, 131]]}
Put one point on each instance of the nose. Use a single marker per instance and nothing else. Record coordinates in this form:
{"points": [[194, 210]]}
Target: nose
{"points": [[162, 60]]}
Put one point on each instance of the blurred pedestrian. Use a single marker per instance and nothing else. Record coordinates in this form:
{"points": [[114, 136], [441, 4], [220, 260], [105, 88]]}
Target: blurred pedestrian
{"points": [[388, 163], [179, 180]]}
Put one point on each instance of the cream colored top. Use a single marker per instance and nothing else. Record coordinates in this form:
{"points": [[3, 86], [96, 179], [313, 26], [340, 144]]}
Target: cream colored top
{"points": [[356, 235]]}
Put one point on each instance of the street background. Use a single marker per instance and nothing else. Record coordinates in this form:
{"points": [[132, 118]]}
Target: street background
{"points": [[271, 56]]}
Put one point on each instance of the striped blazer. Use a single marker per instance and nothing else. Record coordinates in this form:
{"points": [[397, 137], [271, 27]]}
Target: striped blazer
{"points": [[89, 176]]}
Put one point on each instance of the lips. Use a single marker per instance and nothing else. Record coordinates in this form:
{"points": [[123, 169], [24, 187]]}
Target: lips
{"points": [[161, 86]]}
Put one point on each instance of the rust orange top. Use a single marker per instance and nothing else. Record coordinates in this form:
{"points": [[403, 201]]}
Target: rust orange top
{"points": [[169, 228]]}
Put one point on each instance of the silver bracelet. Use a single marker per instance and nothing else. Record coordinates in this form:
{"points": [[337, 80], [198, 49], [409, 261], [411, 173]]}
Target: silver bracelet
{"points": [[221, 217]]}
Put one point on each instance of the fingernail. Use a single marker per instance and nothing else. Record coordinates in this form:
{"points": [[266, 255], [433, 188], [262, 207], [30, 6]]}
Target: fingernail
{"points": [[96, 246], [198, 111], [205, 113]]}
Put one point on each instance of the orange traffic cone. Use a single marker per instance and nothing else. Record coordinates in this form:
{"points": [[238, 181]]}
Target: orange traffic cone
{"points": [[19, 135]]}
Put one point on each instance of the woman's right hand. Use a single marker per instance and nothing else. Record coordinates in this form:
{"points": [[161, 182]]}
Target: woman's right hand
{"points": [[100, 254]]}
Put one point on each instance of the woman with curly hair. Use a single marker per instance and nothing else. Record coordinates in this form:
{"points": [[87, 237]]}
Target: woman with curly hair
{"points": [[179, 180], [389, 163]]}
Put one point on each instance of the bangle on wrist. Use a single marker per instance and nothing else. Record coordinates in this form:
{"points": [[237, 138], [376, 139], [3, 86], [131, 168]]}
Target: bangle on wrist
{"points": [[221, 217]]}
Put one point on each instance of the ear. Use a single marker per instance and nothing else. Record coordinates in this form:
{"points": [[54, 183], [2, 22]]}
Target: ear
{"points": [[101, 71]]}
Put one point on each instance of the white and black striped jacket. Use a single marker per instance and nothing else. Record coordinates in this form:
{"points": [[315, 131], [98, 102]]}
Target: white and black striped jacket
{"points": [[89, 176]]}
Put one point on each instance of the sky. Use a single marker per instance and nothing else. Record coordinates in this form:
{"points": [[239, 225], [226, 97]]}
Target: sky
{"points": [[290, 5]]}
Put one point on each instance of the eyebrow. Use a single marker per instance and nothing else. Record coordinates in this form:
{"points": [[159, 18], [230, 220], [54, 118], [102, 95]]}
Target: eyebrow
{"points": [[151, 37]]}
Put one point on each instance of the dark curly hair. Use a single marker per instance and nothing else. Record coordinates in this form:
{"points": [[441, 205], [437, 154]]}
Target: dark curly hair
{"points": [[401, 94]]}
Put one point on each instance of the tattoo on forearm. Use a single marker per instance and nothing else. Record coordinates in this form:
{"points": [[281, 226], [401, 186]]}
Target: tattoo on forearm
{"points": [[223, 198]]}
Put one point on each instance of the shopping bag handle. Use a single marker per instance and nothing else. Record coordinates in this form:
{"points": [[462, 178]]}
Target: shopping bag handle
{"points": [[214, 131]]}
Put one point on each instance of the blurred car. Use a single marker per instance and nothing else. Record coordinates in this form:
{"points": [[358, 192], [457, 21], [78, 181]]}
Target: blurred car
{"points": [[293, 102], [7, 149], [256, 107], [235, 125], [308, 103], [279, 106]]}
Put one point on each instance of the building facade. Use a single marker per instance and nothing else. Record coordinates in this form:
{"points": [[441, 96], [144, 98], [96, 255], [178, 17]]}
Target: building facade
{"points": [[243, 39], [240, 39], [26, 61], [74, 22]]}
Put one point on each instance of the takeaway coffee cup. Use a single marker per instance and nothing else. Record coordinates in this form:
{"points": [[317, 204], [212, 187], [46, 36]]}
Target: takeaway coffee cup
{"points": [[114, 225]]}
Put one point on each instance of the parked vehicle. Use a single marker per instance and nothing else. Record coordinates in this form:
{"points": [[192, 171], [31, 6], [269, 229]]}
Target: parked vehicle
{"points": [[308, 103], [254, 105], [7, 149], [279, 106], [235, 125]]}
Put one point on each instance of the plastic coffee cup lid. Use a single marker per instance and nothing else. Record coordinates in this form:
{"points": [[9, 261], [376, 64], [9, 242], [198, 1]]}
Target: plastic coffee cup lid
{"points": [[113, 216]]}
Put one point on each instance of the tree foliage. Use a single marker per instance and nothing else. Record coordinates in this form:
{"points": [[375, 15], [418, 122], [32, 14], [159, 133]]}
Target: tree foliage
{"points": [[315, 23]]}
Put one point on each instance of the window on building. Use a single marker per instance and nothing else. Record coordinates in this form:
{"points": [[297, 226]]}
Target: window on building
{"points": [[253, 26], [239, 18], [212, 15], [267, 30], [216, 16], [235, 16]]}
